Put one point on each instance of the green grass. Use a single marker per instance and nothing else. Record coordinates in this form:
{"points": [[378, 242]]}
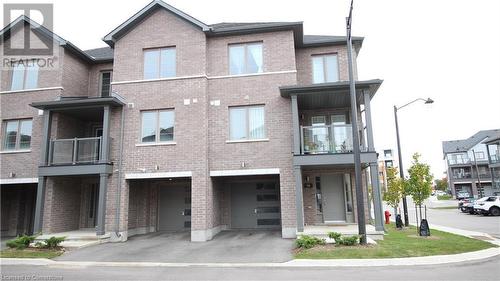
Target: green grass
{"points": [[444, 197], [445, 208], [398, 244], [30, 253]]}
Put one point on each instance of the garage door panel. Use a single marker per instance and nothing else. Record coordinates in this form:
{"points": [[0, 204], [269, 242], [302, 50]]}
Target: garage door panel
{"points": [[174, 208], [255, 205]]}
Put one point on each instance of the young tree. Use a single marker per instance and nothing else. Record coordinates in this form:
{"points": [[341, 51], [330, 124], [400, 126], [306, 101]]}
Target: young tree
{"points": [[419, 181], [394, 188], [441, 184]]}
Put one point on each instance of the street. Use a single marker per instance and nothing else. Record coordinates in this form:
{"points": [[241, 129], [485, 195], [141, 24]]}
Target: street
{"points": [[482, 270], [454, 217]]}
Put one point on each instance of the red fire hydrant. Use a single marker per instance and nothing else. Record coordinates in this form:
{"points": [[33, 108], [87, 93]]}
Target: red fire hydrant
{"points": [[387, 216]]}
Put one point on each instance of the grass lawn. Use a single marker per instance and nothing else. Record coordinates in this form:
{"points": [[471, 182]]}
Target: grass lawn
{"points": [[398, 244], [445, 208], [31, 253]]}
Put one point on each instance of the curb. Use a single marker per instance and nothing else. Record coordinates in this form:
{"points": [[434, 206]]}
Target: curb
{"points": [[429, 260]]}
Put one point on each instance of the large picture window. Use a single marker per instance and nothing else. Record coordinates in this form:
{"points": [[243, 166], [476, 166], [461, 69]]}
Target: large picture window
{"points": [[24, 76], [157, 126], [247, 123], [325, 68], [159, 63], [17, 134], [245, 58]]}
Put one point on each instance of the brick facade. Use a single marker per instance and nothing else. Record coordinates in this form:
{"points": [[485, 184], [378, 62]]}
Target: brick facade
{"points": [[200, 95]]}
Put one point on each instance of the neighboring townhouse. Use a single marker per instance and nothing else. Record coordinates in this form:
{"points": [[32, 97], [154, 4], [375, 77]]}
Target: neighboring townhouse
{"points": [[386, 160], [468, 164], [183, 126], [493, 148]]}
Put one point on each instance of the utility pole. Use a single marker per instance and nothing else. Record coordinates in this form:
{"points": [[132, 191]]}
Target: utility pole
{"points": [[355, 137]]}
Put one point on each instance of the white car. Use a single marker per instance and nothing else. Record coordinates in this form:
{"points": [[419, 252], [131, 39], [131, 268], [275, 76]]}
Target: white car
{"points": [[489, 206], [440, 193]]}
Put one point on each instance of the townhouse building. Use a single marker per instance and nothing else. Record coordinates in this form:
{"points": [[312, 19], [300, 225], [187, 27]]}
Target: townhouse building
{"points": [[386, 160], [180, 125], [472, 164]]}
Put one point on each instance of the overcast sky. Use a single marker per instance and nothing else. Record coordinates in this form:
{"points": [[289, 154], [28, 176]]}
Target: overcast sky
{"points": [[446, 50]]}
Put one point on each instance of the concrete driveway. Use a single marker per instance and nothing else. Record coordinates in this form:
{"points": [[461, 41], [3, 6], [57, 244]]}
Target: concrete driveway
{"points": [[228, 246]]}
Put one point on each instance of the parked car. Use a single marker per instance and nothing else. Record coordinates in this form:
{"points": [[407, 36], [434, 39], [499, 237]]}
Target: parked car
{"points": [[465, 204], [469, 206], [462, 195], [440, 193], [491, 205]]}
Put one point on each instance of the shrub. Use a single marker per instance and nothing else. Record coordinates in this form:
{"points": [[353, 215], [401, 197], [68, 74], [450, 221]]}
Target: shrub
{"points": [[21, 242], [349, 240], [307, 242], [53, 241], [444, 197], [335, 236]]}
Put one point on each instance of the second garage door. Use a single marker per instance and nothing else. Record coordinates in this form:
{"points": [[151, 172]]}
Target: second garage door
{"points": [[255, 205]]}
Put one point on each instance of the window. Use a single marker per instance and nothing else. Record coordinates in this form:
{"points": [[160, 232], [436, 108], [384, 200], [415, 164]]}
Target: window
{"points": [[480, 155], [17, 134], [325, 68], [247, 123], [105, 83], [245, 58], [24, 76], [159, 63], [157, 126], [388, 153]]}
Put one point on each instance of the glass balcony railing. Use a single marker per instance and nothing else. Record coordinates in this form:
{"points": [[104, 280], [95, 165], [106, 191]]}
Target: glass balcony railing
{"points": [[75, 151], [495, 158], [326, 139], [458, 161]]}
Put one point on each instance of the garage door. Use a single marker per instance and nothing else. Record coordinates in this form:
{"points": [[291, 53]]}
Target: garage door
{"points": [[255, 205], [174, 208]]}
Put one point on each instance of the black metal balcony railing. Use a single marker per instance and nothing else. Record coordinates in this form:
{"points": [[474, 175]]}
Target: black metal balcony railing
{"points": [[75, 151]]}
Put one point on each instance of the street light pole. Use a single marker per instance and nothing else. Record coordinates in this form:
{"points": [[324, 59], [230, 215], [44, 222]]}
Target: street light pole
{"points": [[355, 137], [401, 171], [400, 156]]}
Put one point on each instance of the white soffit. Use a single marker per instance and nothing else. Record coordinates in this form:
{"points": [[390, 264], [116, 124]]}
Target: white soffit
{"points": [[245, 172], [133, 176]]}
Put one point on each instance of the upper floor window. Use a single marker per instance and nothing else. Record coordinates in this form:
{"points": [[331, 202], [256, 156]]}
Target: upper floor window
{"points": [[105, 83], [17, 134], [325, 68], [388, 153], [245, 58], [157, 126], [480, 155], [159, 63], [24, 76], [247, 123]]}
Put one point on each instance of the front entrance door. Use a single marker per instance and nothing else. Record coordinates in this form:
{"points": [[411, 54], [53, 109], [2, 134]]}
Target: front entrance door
{"points": [[332, 190], [175, 208]]}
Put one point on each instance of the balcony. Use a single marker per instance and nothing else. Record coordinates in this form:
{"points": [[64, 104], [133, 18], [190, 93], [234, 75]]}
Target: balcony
{"points": [[75, 151], [462, 176], [326, 139]]}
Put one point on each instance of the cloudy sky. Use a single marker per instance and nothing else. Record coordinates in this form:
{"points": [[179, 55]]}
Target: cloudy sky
{"points": [[448, 50]]}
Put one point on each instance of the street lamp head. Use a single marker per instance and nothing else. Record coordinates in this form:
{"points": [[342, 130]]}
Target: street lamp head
{"points": [[429, 101]]}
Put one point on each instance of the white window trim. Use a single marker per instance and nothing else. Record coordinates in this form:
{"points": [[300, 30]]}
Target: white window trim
{"points": [[157, 136], [15, 151], [18, 180], [32, 90], [242, 141], [325, 75], [159, 61], [245, 45], [247, 120]]}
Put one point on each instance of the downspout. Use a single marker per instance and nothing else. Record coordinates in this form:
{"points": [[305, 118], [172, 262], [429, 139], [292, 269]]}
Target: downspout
{"points": [[120, 160]]}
